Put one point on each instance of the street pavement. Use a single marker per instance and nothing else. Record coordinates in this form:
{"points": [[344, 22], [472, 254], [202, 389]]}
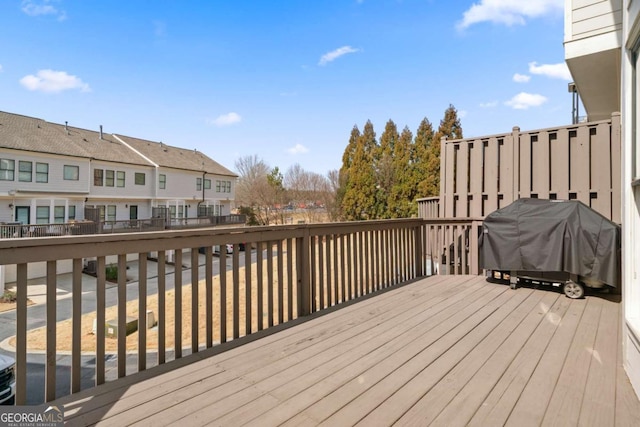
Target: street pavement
{"points": [[36, 317]]}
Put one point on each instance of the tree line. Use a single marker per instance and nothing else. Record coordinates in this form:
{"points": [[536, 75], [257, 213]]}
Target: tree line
{"points": [[379, 178]]}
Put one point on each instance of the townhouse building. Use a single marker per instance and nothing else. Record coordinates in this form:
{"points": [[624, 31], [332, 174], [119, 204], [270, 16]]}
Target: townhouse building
{"points": [[602, 51], [52, 173]]}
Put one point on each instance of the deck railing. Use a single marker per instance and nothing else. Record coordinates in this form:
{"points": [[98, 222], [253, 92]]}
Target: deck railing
{"points": [[286, 272]]}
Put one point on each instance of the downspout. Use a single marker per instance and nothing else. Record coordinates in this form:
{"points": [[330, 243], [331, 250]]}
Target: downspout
{"points": [[203, 199]]}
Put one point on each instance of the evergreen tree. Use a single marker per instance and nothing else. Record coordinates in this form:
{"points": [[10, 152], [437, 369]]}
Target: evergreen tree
{"points": [[420, 159], [385, 169], [403, 190], [450, 128], [358, 202], [343, 173]]}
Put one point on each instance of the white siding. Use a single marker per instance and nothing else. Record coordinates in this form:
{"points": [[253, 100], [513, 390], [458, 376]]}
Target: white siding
{"points": [[56, 182], [590, 18], [181, 184], [130, 190]]}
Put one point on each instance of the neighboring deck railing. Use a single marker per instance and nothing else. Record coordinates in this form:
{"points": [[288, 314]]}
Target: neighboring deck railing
{"points": [[13, 231], [292, 271]]}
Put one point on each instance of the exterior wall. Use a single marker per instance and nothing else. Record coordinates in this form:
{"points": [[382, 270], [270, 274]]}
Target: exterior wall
{"points": [[130, 190], [579, 162], [56, 182], [589, 18], [631, 194]]}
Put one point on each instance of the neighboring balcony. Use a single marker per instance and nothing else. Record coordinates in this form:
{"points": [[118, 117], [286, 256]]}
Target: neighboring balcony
{"points": [[593, 41]]}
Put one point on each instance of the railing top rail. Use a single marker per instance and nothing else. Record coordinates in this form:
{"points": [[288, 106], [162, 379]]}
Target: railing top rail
{"points": [[15, 251], [534, 131]]}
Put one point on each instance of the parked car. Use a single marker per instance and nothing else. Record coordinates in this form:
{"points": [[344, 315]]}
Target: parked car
{"points": [[7, 380]]}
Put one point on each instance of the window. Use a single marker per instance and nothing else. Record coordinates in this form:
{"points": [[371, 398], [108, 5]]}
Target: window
{"points": [[218, 185], [109, 178], [71, 173], [7, 169], [228, 186], [180, 211], [120, 178], [25, 171], [163, 181], [111, 213], [207, 184], [42, 172], [172, 211], [98, 177], [198, 184], [139, 178], [58, 214], [101, 211], [72, 212], [42, 215]]}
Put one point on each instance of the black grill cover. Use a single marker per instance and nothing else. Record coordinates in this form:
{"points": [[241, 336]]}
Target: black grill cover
{"points": [[551, 236]]}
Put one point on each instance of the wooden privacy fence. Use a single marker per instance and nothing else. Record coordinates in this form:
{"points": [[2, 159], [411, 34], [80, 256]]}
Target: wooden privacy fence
{"points": [[201, 300], [576, 162]]}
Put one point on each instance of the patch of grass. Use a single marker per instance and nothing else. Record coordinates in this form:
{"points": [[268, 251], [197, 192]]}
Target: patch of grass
{"points": [[112, 272], [8, 297]]}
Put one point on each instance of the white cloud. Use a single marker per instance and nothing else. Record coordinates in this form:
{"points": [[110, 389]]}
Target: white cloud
{"points": [[509, 12], [524, 100], [521, 78], [554, 71], [43, 7], [491, 104], [335, 54], [226, 119], [297, 149], [462, 114], [51, 81]]}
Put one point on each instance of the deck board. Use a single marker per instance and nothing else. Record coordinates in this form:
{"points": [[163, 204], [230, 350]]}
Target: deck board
{"points": [[454, 350]]}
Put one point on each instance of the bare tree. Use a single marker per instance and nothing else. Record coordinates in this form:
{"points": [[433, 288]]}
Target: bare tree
{"points": [[253, 189]]}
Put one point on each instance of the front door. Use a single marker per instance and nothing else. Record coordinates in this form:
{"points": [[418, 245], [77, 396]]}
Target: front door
{"points": [[133, 212], [23, 214]]}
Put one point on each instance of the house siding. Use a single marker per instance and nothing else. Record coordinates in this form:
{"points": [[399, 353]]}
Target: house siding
{"points": [[594, 17]]}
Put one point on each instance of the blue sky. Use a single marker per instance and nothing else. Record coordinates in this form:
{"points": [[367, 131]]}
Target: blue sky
{"points": [[283, 80]]}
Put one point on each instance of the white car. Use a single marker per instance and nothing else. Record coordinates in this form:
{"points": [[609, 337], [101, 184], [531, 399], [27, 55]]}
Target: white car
{"points": [[7, 380]]}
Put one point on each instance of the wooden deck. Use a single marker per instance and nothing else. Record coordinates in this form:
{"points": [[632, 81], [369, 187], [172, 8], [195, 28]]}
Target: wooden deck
{"points": [[444, 351]]}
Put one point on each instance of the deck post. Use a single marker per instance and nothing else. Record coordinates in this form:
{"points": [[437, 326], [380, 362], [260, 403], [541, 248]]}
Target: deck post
{"points": [[303, 271]]}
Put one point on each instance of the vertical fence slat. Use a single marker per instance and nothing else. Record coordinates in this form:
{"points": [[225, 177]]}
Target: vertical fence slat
{"points": [[580, 177], [208, 274], [223, 293], [235, 267], [289, 243], [248, 286], [475, 171], [270, 305], [50, 364], [21, 334], [540, 167], [122, 315], [142, 312], [162, 304], [328, 258], [195, 289], [280, 282], [177, 276], [260, 284], [101, 288], [560, 165], [76, 339]]}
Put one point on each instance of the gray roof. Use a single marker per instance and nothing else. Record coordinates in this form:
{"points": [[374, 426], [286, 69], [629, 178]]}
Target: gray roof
{"points": [[36, 135], [32, 134], [177, 158]]}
